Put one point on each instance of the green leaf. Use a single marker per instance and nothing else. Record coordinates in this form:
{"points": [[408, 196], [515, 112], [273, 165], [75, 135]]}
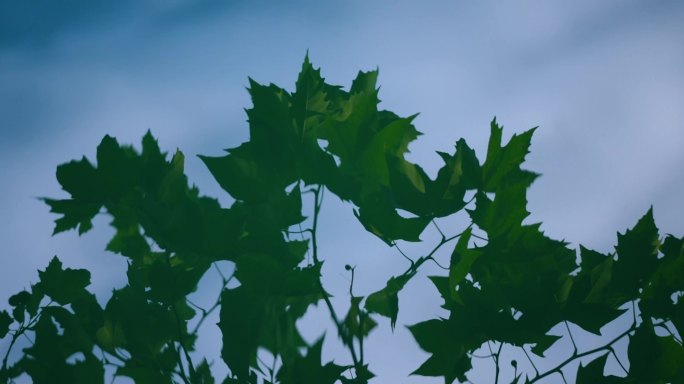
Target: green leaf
{"points": [[413, 190], [5, 321], [364, 82], [82, 181], [461, 172], [241, 321], [593, 372], [502, 165], [170, 281], [357, 322], [263, 310], [673, 262], [350, 132], [391, 140], [544, 343], [385, 302], [128, 241], [202, 373], [593, 300], [657, 297], [63, 285], [654, 358], [140, 326], [462, 259], [19, 301], [25, 301], [311, 99], [46, 360], [309, 369], [381, 219], [447, 360], [75, 214], [273, 135], [505, 213], [240, 175], [409, 186], [526, 270], [637, 252]]}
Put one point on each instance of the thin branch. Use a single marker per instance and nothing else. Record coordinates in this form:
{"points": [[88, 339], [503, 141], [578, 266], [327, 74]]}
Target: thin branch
{"points": [[181, 338], [634, 313], [665, 327], [360, 336], [418, 262], [479, 237], [351, 284], [181, 341], [612, 350], [318, 200], [530, 360], [498, 353], [571, 338], [217, 303], [182, 373], [21, 331], [438, 264], [586, 353], [438, 229], [396, 245], [223, 277]]}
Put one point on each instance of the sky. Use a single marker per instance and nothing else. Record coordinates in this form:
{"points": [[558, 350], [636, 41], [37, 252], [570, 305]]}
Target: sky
{"points": [[604, 81]]}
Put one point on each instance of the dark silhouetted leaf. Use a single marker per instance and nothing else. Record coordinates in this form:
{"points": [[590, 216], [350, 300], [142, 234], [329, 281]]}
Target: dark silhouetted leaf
{"points": [[386, 301], [592, 373], [309, 369], [63, 285], [5, 321], [654, 359]]}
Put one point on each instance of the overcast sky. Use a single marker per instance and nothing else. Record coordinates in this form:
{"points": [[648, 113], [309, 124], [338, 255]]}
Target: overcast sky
{"points": [[604, 81]]}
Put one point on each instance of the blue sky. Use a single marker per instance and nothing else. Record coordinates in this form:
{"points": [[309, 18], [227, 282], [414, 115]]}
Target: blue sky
{"points": [[603, 80]]}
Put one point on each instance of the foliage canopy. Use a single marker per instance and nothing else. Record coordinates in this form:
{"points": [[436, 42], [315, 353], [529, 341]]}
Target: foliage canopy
{"points": [[507, 284]]}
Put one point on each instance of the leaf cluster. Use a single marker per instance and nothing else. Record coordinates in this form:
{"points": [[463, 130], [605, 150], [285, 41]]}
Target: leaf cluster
{"points": [[507, 283]]}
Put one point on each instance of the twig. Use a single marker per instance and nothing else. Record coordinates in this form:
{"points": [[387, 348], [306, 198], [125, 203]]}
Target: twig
{"points": [[586, 353], [396, 245], [438, 229], [530, 359], [612, 350], [351, 284], [571, 338], [498, 352], [217, 303], [438, 264]]}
